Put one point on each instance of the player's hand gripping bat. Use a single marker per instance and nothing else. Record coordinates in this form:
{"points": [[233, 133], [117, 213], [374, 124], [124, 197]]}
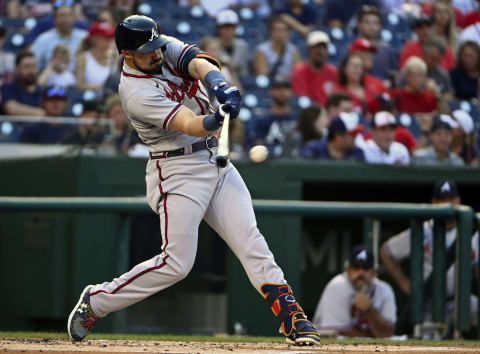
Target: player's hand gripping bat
{"points": [[223, 144]]}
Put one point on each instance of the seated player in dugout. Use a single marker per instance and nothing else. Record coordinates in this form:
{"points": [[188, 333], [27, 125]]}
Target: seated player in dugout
{"points": [[356, 303], [397, 249], [163, 89]]}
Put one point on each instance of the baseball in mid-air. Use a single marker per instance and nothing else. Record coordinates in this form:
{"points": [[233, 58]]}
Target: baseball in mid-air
{"points": [[258, 153]]}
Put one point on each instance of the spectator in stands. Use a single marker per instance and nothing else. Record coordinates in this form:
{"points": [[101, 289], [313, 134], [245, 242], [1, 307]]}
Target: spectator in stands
{"points": [[63, 33], [111, 84], [337, 103], [338, 13], [315, 77], [46, 23], [212, 47], [54, 102], [271, 129], [351, 80], [385, 58], [356, 303], [443, 23], [106, 15], [88, 134], [439, 153], [367, 50], [457, 14], [466, 75], [382, 148], [22, 96], [278, 55], [7, 60], [234, 50], [423, 30], [415, 97], [300, 16], [311, 123], [397, 248], [463, 137], [123, 135], [340, 143], [433, 51], [95, 58], [56, 73]]}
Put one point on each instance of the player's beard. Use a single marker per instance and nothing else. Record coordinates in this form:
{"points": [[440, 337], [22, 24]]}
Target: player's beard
{"points": [[155, 70]]}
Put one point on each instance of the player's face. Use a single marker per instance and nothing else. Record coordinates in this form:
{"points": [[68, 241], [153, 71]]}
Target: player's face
{"points": [[360, 277], [149, 63]]}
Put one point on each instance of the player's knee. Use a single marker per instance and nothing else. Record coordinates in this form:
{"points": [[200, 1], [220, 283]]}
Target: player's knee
{"points": [[182, 267]]}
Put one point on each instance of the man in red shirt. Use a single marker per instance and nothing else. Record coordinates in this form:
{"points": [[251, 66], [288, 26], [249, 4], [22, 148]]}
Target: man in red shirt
{"points": [[422, 28], [315, 77]]}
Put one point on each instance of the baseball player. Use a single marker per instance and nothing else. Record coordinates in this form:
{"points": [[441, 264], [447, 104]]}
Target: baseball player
{"points": [[163, 89]]}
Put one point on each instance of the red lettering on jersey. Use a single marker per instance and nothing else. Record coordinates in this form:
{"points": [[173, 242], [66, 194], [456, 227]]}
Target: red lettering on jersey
{"points": [[177, 93]]}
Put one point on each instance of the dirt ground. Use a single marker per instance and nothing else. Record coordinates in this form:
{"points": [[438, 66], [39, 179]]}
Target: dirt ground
{"points": [[34, 346]]}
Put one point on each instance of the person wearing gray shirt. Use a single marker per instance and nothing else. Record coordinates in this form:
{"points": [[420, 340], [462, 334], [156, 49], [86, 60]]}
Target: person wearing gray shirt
{"points": [[63, 33], [439, 153]]}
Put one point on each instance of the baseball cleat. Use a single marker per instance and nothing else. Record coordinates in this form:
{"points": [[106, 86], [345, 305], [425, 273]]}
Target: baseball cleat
{"points": [[82, 318], [303, 332]]}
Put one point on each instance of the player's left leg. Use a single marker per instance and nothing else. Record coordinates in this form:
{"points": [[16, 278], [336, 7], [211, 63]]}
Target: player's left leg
{"points": [[230, 213]]}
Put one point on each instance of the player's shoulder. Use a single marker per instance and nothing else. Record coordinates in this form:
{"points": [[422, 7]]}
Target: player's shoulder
{"points": [[340, 281]]}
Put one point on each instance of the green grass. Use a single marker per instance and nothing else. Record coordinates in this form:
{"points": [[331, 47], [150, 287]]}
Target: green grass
{"points": [[243, 339]]}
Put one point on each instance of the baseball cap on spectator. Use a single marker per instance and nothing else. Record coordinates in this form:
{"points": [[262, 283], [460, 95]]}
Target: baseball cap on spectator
{"points": [[360, 45], [54, 92], [101, 29], [361, 256], [344, 123], [445, 189], [421, 21], [443, 121], [227, 17], [317, 37], [384, 119], [464, 120]]}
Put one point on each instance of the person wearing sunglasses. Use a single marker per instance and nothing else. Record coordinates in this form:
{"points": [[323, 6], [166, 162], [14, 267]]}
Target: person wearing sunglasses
{"points": [[356, 303]]}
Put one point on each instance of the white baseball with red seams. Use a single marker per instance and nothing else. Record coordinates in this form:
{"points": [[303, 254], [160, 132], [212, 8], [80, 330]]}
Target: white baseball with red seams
{"points": [[182, 190]]}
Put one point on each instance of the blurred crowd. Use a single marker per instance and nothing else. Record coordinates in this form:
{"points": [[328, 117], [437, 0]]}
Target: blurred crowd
{"points": [[379, 81]]}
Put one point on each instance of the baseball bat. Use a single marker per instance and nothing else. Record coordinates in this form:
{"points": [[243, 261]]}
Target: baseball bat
{"points": [[223, 148]]}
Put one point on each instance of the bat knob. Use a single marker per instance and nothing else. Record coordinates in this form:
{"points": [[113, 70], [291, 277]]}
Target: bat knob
{"points": [[222, 161]]}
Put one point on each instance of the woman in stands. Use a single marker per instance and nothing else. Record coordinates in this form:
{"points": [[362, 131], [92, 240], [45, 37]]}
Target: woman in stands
{"points": [[277, 56], [466, 75], [95, 57], [443, 23], [351, 80]]}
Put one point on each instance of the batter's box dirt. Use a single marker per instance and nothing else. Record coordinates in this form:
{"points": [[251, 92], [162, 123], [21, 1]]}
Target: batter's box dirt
{"points": [[34, 346]]}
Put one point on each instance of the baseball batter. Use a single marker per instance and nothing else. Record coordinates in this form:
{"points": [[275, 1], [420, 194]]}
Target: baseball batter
{"points": [[164, 93]]}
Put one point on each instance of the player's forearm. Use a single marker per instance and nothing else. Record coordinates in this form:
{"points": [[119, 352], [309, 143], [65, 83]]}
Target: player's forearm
{"points": [[379, 327], [198, 68]]}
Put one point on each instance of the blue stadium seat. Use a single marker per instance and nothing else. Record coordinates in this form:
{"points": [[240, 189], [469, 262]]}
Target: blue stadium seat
{"points": [[14, 42], [472, 107], [408, 121]]}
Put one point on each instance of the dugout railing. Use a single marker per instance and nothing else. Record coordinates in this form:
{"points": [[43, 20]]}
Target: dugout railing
{"points": [[371, 213]]}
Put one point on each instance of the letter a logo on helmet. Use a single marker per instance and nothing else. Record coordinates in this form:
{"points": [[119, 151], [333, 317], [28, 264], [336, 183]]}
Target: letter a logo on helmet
{"points": [[139, 34]]}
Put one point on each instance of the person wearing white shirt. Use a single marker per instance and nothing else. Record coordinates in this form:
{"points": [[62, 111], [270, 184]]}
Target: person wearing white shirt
{"points": [[356, 303], [382, 148]]}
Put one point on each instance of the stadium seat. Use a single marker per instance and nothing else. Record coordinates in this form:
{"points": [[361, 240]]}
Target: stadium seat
{"points": [[409, 122], [14, 42]]}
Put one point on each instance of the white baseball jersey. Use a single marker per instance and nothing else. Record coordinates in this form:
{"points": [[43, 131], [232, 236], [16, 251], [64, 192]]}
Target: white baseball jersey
{"points": [[399, 248], [184, 189], [336, 310], [397, 153], [151, 101]]}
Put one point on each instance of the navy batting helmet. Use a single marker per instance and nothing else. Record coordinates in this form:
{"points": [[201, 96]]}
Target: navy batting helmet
{"points": [[138, 33]]}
